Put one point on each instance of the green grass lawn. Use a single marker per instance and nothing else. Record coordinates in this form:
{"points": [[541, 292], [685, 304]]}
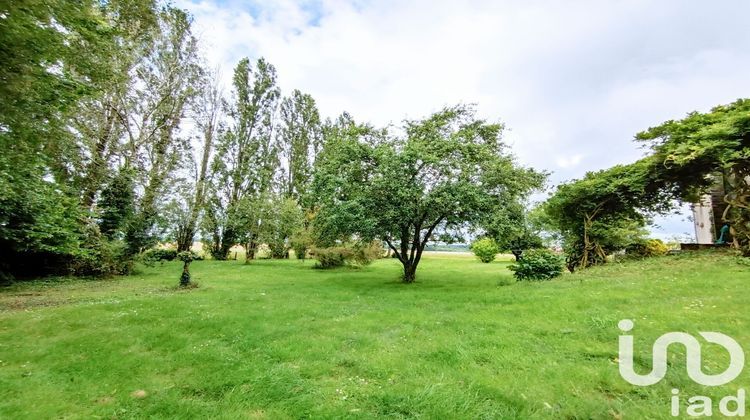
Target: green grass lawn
{"points": [[277, 339]]}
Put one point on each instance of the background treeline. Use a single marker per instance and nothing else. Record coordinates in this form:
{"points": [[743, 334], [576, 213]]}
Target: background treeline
{"points": [[116, 134]]}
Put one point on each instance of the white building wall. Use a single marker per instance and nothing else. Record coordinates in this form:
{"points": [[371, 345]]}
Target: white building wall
{"points": [[703, 220]]}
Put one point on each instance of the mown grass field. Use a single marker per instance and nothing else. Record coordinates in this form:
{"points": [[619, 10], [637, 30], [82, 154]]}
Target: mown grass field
{"points": [[277, 339]]}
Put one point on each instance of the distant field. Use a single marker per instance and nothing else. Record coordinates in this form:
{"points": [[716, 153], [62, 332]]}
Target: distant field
{"points": [[277, 339]]}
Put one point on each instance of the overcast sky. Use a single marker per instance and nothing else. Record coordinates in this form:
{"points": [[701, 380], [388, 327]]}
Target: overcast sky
{"points": [[572, 80]]}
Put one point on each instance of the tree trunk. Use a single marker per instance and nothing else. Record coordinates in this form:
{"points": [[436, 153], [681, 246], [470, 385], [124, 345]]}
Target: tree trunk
{"points": [[227, 242], [185, 237], [411, 252], [410, 272], [185, 277], [250, 249]]}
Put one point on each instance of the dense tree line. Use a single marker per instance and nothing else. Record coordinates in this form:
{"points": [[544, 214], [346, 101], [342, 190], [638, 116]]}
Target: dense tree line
{"points": [[115, 135]]}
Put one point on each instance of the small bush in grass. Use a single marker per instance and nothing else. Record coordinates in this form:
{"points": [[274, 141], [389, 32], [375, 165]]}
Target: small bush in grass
{"points": [[301, 242], [486, 249], [647, 248], [538, 264], [186, 257], [358, 254], [332, 257], [155, 255], [366, 253]]}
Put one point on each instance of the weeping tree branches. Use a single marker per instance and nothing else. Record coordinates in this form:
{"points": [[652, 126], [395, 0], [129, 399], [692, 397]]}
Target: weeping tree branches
{"points": [[606, 210], [595, 213], [708, 145]]}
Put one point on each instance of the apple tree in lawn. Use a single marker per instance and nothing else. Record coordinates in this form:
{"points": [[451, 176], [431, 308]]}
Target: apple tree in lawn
{"points": [[437, 175]]}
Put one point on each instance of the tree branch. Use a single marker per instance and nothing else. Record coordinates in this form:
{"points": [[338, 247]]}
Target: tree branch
{"points": [[395, 251]]}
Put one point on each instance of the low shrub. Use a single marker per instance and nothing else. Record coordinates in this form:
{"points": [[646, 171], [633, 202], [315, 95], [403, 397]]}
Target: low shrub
{"points": [[359, 254], [154, 255], [102, 257], [485, 249], [332, 257], [538, 264], [366, 253], [647, 248], [300, 243], [278, 248]]}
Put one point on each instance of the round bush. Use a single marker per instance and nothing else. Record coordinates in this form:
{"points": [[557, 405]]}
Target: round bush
{"points": [[332, 257], [538, 264], [154, 255], [647, 248], [486, 249]]}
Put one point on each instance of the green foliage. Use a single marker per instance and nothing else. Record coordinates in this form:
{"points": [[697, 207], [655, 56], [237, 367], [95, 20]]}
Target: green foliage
{"points": [[155, 255], [301, 241], [700, 148], [511, 228], [485, 249], [647, 248], [187, 256], [300, 134], [116, 204], [332, 257], [538, 264], [101, 256], [449, 170], [93, 93], [359, 254], [246, 159], [607, 210], [285, 219], [40, 229], [367, 252]]}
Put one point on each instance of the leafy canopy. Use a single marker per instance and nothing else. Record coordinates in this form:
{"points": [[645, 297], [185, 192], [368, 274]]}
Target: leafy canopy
{"points": [[443, 172]]}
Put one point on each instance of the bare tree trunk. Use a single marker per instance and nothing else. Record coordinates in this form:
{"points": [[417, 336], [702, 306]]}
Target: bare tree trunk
{"points": [[250, 249], [208, 115], [411, 253], [185, 277], [410, 272]]}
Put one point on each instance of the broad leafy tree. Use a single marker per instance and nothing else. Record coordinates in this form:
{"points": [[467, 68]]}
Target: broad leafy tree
{"points": [[607, 210], [512, 231], [696, 151], [447, 170], [152, 116]]}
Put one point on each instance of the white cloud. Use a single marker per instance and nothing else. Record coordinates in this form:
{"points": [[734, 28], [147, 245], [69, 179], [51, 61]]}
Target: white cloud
{"points": [[569, 161], [573, 80]]}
